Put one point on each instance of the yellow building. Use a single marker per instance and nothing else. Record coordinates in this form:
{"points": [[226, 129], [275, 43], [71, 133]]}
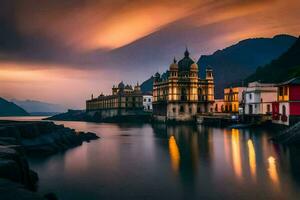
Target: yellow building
{"points": [[181, 93], [122, 97], [233, 97]]}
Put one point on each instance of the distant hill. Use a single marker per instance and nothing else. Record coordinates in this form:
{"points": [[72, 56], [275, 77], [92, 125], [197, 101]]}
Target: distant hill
{"points": [[238, 61], [10, 109], [147, 85], [285, 67], [33, 106], [235, 63]]}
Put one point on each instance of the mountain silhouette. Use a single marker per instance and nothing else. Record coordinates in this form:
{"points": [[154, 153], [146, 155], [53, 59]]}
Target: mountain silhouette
{"points": [[285, 67], [234, 63], [10, 109]]}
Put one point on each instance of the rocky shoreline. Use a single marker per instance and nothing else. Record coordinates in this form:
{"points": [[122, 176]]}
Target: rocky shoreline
{"points": [[19, 139]]}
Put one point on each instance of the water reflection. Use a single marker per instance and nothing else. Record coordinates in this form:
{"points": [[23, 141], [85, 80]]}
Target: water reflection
{"points": [[174, 153], [246, 155], [173, 162], [236, 153], [252, 158], [272, 170]]}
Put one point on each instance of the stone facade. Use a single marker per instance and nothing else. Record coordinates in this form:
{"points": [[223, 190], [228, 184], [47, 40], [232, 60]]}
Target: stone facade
{"points": [[124, 100], [181, 94]]}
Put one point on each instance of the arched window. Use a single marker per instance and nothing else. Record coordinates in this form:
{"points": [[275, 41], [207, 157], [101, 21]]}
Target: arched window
{"points": [[200, 94], [283, 110], [181, 109], [183, 94]]}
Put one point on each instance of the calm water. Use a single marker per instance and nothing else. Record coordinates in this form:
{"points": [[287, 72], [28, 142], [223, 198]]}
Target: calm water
{"points": [[175, 162]]}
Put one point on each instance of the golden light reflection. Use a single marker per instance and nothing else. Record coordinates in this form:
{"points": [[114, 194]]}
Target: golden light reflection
{"points": [[252, 158], [272, 170], [226, 147], [174, 154], [236, 152]]}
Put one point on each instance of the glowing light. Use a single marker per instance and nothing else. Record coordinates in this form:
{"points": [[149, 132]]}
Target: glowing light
{"points": [[272, 170], [174, 153], [252, 158], [236, 154], [226, 147]]}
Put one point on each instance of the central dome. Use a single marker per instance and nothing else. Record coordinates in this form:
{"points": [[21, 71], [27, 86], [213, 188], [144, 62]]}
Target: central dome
{"points": [[185, 63]]}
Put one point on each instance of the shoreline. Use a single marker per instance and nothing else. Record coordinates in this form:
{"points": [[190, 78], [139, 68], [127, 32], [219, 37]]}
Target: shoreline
{"points": [[22, 139]]}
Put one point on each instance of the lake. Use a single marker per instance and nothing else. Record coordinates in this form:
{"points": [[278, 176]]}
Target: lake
{"points": [[143, 161]]}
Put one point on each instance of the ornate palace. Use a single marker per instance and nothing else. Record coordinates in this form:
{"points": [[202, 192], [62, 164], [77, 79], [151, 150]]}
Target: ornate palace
{"points": [[181, 94], [122, 97]]}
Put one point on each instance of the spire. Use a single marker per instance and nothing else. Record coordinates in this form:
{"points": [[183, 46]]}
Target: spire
{"points": [[186, 53], [175, 61]]}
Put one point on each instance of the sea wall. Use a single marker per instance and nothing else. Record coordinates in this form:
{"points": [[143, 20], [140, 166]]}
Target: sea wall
{"points": [[108, 115]]}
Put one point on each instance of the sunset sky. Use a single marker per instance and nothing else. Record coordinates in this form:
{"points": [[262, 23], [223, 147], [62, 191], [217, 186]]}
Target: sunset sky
{"points": [[63, 51]]}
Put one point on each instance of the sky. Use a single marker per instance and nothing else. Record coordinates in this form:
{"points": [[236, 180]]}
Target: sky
{"points": [[62, 51]]}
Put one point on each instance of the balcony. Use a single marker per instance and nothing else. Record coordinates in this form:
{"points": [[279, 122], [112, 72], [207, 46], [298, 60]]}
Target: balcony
{"points": [[284, 118]]}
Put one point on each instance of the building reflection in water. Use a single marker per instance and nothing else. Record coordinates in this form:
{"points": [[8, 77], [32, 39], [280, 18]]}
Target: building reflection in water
{"points": [[252, 158], [174, 154], [272, 170], [236, 152]]}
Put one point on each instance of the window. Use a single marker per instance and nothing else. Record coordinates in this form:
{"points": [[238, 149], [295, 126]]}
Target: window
{"points": [[145, 100], [174, 110], [283, 110], [250, 96], [181, 109], [199, 110], [149, 100], [285, 90], [183, 94], [268, 108], [190, 109], [281, 91]]}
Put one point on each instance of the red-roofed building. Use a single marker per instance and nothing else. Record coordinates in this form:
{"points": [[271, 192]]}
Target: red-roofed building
{"points": [[286, 110]]}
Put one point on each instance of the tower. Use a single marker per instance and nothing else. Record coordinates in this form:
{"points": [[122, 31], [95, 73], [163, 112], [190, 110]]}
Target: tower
{"points": [[173, 81], [210, 84], [209, 73]]}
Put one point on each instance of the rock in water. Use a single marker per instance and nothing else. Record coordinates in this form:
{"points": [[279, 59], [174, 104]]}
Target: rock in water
{"points": [[43, 137], [17, 181]]}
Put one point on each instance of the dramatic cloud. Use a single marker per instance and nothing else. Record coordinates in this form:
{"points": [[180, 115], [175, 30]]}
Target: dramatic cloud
{"points": [[120, 39]]}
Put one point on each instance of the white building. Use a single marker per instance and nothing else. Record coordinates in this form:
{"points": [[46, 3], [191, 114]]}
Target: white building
{"points": [[147, 102], [258, 98]]}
